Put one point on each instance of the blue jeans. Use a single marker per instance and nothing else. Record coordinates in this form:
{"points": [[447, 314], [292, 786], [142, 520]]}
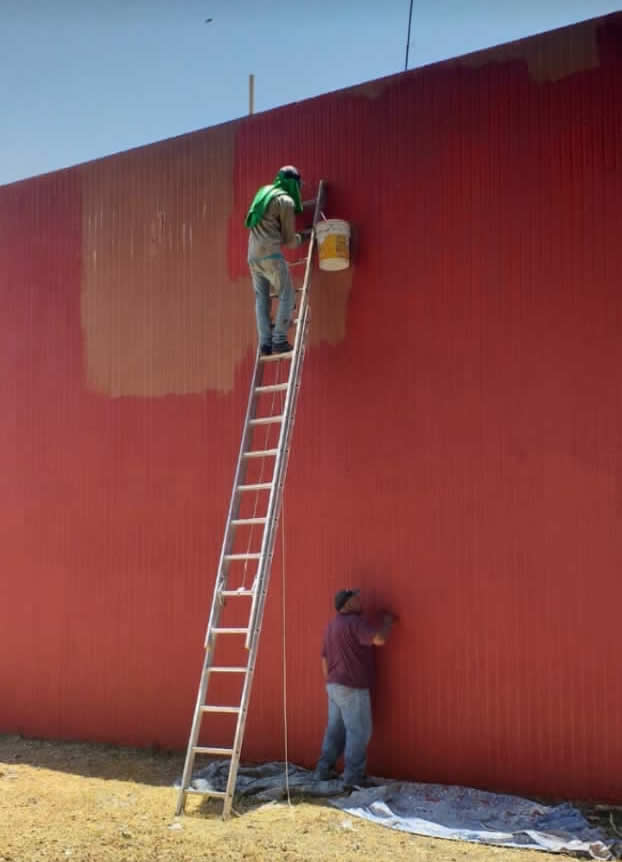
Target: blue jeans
{"points": [[271, 278], [349, 727]]}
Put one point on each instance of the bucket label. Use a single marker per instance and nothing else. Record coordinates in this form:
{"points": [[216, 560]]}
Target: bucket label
{"points": [[334, 245]]}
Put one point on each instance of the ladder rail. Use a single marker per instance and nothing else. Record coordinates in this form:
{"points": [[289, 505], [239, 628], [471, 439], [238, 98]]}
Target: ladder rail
{"points": [[280, 470], [234, 503], [270, 529], [257, 610], [256, 619], [194, 735], [254, 633], [220, 583], [284, 433]]}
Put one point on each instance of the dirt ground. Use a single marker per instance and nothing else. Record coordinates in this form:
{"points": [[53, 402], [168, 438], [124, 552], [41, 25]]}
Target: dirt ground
{"points": [[78, 802]]}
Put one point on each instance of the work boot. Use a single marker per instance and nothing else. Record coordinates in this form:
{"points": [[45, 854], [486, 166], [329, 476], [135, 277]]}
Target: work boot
{"points": [[282, 347]]}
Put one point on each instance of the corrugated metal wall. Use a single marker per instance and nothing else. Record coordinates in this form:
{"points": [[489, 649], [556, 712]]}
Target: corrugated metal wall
{"points": [[457, 452]]}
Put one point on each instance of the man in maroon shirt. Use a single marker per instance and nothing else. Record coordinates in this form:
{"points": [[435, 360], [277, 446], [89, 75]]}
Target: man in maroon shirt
{"points": [[348, 667]]}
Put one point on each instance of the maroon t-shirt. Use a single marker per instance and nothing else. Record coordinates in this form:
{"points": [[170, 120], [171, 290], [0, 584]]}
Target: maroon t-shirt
{"points": [[349, 652]]}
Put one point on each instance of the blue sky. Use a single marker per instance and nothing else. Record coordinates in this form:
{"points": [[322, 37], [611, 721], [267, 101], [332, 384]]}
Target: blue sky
{"points": [[81, 79]]}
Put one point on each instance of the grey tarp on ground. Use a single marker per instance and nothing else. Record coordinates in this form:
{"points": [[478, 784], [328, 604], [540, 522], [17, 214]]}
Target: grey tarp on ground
{"points": [[466, 814], [265, 781], [435, 810]]}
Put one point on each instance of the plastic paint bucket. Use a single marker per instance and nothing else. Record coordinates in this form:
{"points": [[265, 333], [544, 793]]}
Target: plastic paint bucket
{"points": [[333, 240]]}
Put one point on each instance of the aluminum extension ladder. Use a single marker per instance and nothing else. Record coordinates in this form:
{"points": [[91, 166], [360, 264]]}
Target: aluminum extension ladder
{"points": [[232, 667]]}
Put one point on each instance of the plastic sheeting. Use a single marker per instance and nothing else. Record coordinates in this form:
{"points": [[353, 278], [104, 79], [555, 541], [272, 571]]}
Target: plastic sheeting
{"points": [[466, 814], [435, 810]]}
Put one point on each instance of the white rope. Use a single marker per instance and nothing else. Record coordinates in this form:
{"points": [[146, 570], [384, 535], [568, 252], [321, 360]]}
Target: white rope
{"points": [[285, 734]]}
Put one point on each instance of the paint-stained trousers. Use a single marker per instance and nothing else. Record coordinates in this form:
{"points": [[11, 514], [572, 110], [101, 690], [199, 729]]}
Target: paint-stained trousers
{"points": [[271, 277]]}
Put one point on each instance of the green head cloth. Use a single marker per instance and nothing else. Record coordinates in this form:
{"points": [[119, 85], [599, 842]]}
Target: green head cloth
{"points": [[287, 182]]}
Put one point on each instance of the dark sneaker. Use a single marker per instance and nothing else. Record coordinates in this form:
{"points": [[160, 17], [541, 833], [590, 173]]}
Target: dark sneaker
{"points": [[282, 347], [359, 784], [266, 349], [325, 774], [365, 782]]}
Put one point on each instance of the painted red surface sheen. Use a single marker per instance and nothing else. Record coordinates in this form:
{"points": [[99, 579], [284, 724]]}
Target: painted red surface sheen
{"points": [[457, 452]]}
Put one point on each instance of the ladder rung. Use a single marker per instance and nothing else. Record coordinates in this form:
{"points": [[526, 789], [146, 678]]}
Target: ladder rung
{"points": [[228, 669], [259, 486], [273, 357], [232, 593], [241, 522], [219, 794], [204, 749], [242, 556], [220, 708], [230, 631], [266, 420], [261, 453], [273, 387]]}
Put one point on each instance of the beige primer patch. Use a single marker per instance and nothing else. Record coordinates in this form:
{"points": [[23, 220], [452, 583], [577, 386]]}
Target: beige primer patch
{"points": [[329, 303], [549, 57], [160, 314], [372, 90]]}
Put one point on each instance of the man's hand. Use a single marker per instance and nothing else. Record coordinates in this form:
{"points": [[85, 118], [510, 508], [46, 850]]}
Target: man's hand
{"points": [[380, 637]]}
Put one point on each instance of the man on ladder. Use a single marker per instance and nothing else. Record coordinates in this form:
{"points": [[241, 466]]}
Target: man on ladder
{"points": [[272, 221]]}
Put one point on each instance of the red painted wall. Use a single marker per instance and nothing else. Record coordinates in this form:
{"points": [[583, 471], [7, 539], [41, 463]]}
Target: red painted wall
{"points": [[457, 451]]}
